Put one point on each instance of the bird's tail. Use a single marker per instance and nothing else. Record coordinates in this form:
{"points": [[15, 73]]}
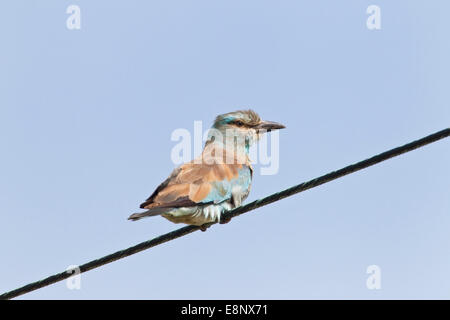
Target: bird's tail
{"points": [[148, 213]]}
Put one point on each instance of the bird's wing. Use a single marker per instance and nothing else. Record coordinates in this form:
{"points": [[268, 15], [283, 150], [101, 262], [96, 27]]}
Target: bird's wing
{"points": [[192, 184]]}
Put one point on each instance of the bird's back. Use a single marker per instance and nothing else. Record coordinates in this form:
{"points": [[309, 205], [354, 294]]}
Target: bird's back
{"points": [[199, 191]]}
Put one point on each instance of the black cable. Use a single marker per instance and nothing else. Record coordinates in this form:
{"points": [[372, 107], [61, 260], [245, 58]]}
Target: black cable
{"points": [[232, 213]]}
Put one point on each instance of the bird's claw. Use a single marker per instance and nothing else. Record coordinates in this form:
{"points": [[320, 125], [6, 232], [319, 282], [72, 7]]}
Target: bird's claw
{"points": [[224, 220]]}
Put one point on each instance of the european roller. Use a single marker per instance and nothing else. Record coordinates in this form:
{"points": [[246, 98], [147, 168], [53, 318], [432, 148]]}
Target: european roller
{"points": [[218, 180]]}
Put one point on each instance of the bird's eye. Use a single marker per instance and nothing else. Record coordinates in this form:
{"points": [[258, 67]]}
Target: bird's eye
{"points": [[239, 123]]}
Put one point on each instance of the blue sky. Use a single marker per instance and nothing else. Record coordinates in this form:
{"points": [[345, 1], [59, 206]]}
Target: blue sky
{"points": [[86, 118]]}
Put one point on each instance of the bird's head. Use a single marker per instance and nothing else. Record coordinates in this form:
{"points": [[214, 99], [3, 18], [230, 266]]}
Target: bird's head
{"points": [[243, 123]]}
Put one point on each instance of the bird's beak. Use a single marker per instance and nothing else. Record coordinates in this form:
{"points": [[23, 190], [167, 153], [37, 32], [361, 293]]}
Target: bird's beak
{"points": [[269, 126]]}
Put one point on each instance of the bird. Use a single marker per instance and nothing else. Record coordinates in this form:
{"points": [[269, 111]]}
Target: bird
{"points": [[200, 191]]}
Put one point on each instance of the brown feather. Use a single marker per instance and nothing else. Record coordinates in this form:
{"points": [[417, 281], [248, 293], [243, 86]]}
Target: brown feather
{"points": [[192, 182]]}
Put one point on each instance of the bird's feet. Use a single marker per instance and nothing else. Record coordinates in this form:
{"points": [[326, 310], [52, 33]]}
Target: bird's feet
{"points": [[224, 220]]}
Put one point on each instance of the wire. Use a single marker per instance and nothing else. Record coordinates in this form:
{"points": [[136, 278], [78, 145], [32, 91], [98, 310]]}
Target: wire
{"points": [[232, 213]]}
